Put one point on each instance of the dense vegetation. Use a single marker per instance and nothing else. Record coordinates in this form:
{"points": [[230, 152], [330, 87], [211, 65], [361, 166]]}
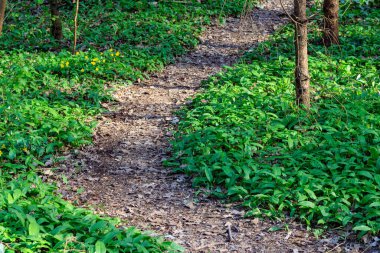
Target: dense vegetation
{"points": [[244, 137], [33, 219], [48, 98]]}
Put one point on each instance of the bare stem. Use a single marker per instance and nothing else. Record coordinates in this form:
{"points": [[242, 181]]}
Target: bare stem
{"points": [[75, 26]]}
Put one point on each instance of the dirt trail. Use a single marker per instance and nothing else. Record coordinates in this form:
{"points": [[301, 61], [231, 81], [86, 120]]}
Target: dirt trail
{"points": [[122, 173]]}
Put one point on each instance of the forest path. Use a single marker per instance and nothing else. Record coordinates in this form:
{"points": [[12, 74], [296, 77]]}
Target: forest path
{"points": [[122, 173]]}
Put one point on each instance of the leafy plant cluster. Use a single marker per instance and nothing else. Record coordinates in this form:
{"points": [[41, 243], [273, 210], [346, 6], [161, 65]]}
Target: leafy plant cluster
{"points": [[148, 33], [32, 219], [245, 138], [42, 111], [48, 98]]}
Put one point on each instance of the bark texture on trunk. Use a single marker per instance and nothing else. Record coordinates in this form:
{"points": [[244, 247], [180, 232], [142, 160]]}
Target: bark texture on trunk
{"points": [[331, 22], [3, 4], [56, 27], [302, 77], [75, 26]]}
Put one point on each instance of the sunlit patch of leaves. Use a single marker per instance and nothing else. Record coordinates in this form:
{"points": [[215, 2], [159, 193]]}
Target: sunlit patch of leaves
{"points": [[245, 138], [32, 219]]}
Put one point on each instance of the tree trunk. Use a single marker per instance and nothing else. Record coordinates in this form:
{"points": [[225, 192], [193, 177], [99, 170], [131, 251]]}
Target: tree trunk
{"points": [[302, 67], [3, 4], [331, 24], [56, 28], [76, 26]]}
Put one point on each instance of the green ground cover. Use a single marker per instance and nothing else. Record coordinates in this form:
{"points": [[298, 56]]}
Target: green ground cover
{"points": [[48, 98], [244, 137]]}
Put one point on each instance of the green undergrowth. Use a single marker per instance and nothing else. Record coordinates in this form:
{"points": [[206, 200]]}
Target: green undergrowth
{"points": [[49, 97], [244, 137], [32, 219]]}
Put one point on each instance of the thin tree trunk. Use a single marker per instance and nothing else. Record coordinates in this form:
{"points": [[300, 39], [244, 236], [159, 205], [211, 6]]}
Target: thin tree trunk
{"points": [[76, 26], [56, 28], [302, 68], [3, 4], [331, 22]]}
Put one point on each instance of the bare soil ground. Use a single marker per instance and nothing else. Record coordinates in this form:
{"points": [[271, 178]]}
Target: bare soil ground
{"points": [[122, 173]]}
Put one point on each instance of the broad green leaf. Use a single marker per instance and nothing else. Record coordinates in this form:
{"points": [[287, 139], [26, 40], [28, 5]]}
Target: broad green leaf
{"points": [[100, 247], [306, 204], [365, 174], [362, 228], [100, 225], [275, 228], [17, 193], [10, 198], [12, 154], [34, 228], [237, 190], [375, 204], [290, 142], [20, 215], [311, 194], [377, 179], [109, 236], [323, 210], [208, 173]]}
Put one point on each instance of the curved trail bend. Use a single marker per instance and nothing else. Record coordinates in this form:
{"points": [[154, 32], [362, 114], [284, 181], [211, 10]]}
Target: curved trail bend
{"points": [[122, 174]]}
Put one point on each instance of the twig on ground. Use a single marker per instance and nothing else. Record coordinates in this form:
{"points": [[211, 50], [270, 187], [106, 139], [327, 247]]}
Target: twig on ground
{"points": [[229, 232], [337, 246]]}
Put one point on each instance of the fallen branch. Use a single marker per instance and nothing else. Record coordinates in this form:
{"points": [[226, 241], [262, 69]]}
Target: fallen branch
{"points": [[229, 232]]}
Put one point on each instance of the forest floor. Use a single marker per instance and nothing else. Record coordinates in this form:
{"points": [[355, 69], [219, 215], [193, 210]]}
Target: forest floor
{"points": [[122, 173]]}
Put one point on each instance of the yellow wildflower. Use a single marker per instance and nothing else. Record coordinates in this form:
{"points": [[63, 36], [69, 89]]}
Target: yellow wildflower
{"points": [[95, 59], [104, 61], [96, 69], [1, 152], [77, 53], [111, 54], [117, 53], [62, 66], [25, 149], [93, 63], [82, 70], [67, 64]]}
